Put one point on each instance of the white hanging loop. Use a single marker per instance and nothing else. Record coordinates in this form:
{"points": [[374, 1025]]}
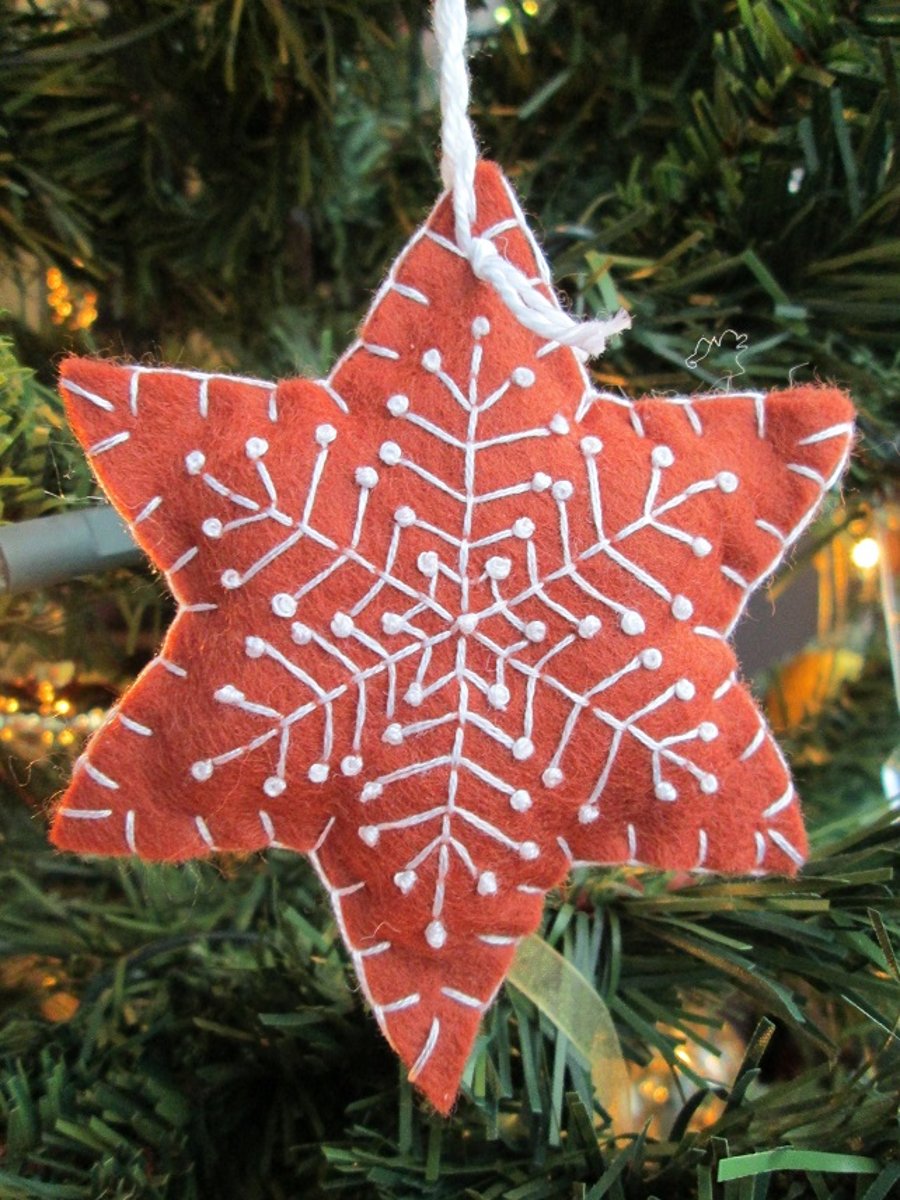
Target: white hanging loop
{"points": [[459, 157]]}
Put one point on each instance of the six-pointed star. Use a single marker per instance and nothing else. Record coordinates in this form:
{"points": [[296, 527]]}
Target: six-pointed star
{"points": [[449, 621]]}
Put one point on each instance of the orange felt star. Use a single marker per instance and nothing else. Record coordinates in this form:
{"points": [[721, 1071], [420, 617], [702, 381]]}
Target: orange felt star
{"points": [[449, 621]]}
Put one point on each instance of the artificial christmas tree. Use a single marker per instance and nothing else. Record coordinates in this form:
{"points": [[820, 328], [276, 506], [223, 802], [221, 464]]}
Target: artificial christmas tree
{"points": [[197, 1033]]}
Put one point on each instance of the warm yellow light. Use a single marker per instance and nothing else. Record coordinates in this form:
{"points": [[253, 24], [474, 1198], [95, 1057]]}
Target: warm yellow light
{"points": [[45, 691], [66, 737], [47, 737], [866, 553], [6, 734], [12, 705], [682, 1055], [660, 1094], [68, 307], [502, 15], [62, 707], [530, 8], [61, 1006]]}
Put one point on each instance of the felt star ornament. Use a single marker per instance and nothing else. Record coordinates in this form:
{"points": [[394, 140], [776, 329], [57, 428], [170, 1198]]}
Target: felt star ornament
{"points": [[449, 621]]}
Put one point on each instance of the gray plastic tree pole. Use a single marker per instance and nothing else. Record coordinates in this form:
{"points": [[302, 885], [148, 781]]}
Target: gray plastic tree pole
{"points": [[52, 549]]}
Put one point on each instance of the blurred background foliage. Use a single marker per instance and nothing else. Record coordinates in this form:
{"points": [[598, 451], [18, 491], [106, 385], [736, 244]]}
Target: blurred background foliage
{"points": [[222, 184]]}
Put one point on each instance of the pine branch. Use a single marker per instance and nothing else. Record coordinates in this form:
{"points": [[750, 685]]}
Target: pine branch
{"points": [[231, 178]]}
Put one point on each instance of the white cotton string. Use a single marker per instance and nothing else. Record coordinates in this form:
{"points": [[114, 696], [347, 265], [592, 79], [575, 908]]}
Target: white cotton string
{"points": [[459, 156]]}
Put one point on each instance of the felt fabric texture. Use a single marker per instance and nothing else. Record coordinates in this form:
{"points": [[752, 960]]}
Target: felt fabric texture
{"points": [[449, 621]]}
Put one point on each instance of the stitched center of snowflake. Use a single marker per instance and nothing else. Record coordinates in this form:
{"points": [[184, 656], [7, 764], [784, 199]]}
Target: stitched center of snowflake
{"points": [[448, 638]]}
